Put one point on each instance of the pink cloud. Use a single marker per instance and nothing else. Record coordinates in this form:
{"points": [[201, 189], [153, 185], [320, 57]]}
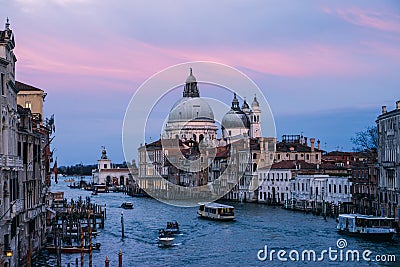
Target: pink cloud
{"points": [[131, 62], [384, 21], [383, 48]]}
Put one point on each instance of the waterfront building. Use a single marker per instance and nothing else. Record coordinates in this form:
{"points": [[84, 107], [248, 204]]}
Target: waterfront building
{"points": [[312, 191], [388, 126], [295, 147], [275, 182], [108, 175], [364, 179], [24, 162], [362, 172], [10, 163], [191, 154]]}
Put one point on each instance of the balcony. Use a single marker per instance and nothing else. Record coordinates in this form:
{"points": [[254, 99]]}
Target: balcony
{"points": [[7, 161], [18, 206], [33, 212], [216, 168]]}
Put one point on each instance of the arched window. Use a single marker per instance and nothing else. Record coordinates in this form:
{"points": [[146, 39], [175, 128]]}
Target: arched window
{"points": [[121, 180], [194, 137], [254, 167], [254, 155], [201, 137]]}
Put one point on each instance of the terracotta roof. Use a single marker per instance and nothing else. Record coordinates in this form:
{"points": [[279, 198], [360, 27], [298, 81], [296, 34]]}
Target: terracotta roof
{"points": [[330, 166], [291, 164], [223, 152], [26, 87], [285, 147]]}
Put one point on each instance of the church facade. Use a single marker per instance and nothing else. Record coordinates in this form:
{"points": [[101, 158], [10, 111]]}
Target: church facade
{"points": [[200, 156]]}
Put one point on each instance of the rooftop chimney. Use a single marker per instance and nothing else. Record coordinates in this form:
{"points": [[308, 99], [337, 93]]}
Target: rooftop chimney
{"points": [[312, 141], [319, 144], [398, 105], [384, 110]]}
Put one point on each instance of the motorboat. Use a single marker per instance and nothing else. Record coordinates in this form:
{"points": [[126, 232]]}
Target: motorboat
{"points": [[165, 238], [127, 205]]}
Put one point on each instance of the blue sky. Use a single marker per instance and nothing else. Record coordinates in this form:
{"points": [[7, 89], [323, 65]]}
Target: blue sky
{"points": [[325, 67]]}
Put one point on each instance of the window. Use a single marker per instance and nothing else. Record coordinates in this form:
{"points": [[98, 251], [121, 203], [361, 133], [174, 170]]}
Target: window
{"points": [[330, 188], [28, 104], [340, 189], [307, 157], [334, 188], [105, 166], [2, 85], [254, 156], [279, 156], [345, 189], [316, 156]]}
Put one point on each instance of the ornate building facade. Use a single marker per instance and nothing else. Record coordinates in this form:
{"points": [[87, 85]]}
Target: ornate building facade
{"points": [[24, 162], [191, 154], [388, 125]]}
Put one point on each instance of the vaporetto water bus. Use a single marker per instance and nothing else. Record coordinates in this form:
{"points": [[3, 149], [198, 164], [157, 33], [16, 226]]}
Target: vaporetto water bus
{"points": [[367, 226], [216, 211]]}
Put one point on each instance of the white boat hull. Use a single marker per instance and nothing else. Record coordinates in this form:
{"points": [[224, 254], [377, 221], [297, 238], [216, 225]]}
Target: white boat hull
{"points": [[166, 241]]}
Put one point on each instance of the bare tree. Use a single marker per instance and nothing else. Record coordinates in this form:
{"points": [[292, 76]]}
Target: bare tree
{"points": [[367, 140]]}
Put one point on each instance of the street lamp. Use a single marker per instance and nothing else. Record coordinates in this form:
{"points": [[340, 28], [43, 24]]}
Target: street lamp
{"points": [[9, 253]]}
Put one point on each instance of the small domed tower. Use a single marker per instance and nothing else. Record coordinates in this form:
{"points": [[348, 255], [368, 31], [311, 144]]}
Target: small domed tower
{"points": [[104, 162], [235, 123]]}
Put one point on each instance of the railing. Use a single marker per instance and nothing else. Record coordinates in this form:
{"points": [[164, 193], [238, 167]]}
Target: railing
{"points": [[11, 161], [18, 206], [34, 212]]}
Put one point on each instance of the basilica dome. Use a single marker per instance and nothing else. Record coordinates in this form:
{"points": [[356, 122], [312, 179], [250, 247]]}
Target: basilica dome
{"points": [[235, 118], [189, 109]]}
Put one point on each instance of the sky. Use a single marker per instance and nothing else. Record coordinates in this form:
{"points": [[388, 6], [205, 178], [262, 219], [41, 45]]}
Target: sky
{"points": [[325, 67]]}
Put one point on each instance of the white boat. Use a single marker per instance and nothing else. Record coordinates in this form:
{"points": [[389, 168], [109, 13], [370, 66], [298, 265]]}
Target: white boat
{"points": [[216, 211], [165, 240], [127, 205], [367, 226]]}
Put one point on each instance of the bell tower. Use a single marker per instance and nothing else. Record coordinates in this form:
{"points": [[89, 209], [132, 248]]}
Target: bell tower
{"points": [[255, 127]]}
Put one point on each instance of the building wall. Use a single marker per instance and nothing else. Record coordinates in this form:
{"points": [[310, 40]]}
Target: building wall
{"points": [[388, 125], [32, 100], [318, 188], [275, 186], [10, 163], [23, 167]]}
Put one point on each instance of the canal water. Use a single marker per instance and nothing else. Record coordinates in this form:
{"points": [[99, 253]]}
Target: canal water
{"points": [[210, 243]]}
